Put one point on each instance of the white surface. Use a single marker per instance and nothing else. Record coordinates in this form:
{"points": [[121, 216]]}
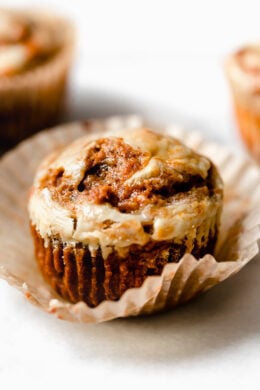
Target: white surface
{"points": [[163, 59]]}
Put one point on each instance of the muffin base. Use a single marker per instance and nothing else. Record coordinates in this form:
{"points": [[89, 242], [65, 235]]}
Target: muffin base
{"points": [[77, 275]]}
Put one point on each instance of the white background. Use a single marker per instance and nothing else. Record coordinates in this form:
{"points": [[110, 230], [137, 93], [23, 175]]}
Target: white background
{"points": [[164, 60]]}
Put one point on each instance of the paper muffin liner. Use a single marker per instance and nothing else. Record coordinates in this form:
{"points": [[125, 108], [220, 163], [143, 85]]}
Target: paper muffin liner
{"points": [[179, 282], [77, 275], [34, 99]]}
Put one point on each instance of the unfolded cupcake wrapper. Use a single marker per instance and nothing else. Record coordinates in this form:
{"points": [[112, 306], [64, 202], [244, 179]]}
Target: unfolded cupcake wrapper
{"points": [[179, 282], [34, 99]]}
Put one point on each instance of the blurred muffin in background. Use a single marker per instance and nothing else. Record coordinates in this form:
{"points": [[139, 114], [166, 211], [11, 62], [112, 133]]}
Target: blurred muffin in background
{"points": [[35, 56], [243, 72]]}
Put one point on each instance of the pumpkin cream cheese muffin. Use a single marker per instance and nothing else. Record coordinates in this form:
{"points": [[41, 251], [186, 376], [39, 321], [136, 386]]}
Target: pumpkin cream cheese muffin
{"points": [[108, 212], [35, 56]]}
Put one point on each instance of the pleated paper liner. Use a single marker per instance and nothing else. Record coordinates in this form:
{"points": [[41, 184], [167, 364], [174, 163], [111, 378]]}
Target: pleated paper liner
{"points": [[34, 99], [179, 282]]}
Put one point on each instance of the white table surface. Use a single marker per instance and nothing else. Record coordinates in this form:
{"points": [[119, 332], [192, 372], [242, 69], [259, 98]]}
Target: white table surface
{"points": [[164, 60]]}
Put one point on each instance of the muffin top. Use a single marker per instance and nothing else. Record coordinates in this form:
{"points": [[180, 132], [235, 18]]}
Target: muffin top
{"points": [[243, 69], [25, 41], [125, 188]]}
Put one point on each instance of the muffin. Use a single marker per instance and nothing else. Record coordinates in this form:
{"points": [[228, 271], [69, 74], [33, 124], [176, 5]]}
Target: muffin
{"points": [[243, 71], [35, 56], [108, 212]]}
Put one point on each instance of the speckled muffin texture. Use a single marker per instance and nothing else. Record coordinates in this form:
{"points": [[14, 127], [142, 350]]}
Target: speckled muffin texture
{"points": [[35, 56], [243, 72], [107, 212]]}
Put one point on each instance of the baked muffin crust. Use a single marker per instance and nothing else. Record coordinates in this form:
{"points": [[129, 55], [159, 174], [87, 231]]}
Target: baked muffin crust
{"points": [[87, 194]]}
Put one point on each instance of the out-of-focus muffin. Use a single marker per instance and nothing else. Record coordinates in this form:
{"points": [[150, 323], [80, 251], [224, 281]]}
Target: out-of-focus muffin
{"points": [[108, 212], [35, 57], [243, 72]]}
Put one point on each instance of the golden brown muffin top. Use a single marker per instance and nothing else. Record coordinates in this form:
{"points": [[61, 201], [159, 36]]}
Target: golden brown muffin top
{"points": [[127, 176], [135, 184]]}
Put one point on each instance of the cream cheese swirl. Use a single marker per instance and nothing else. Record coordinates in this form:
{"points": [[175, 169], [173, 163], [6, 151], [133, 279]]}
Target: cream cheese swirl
{"points": [[59, 210]]}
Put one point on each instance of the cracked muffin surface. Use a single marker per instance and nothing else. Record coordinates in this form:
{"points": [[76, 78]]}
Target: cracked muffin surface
{"points": [[107, 212]]}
